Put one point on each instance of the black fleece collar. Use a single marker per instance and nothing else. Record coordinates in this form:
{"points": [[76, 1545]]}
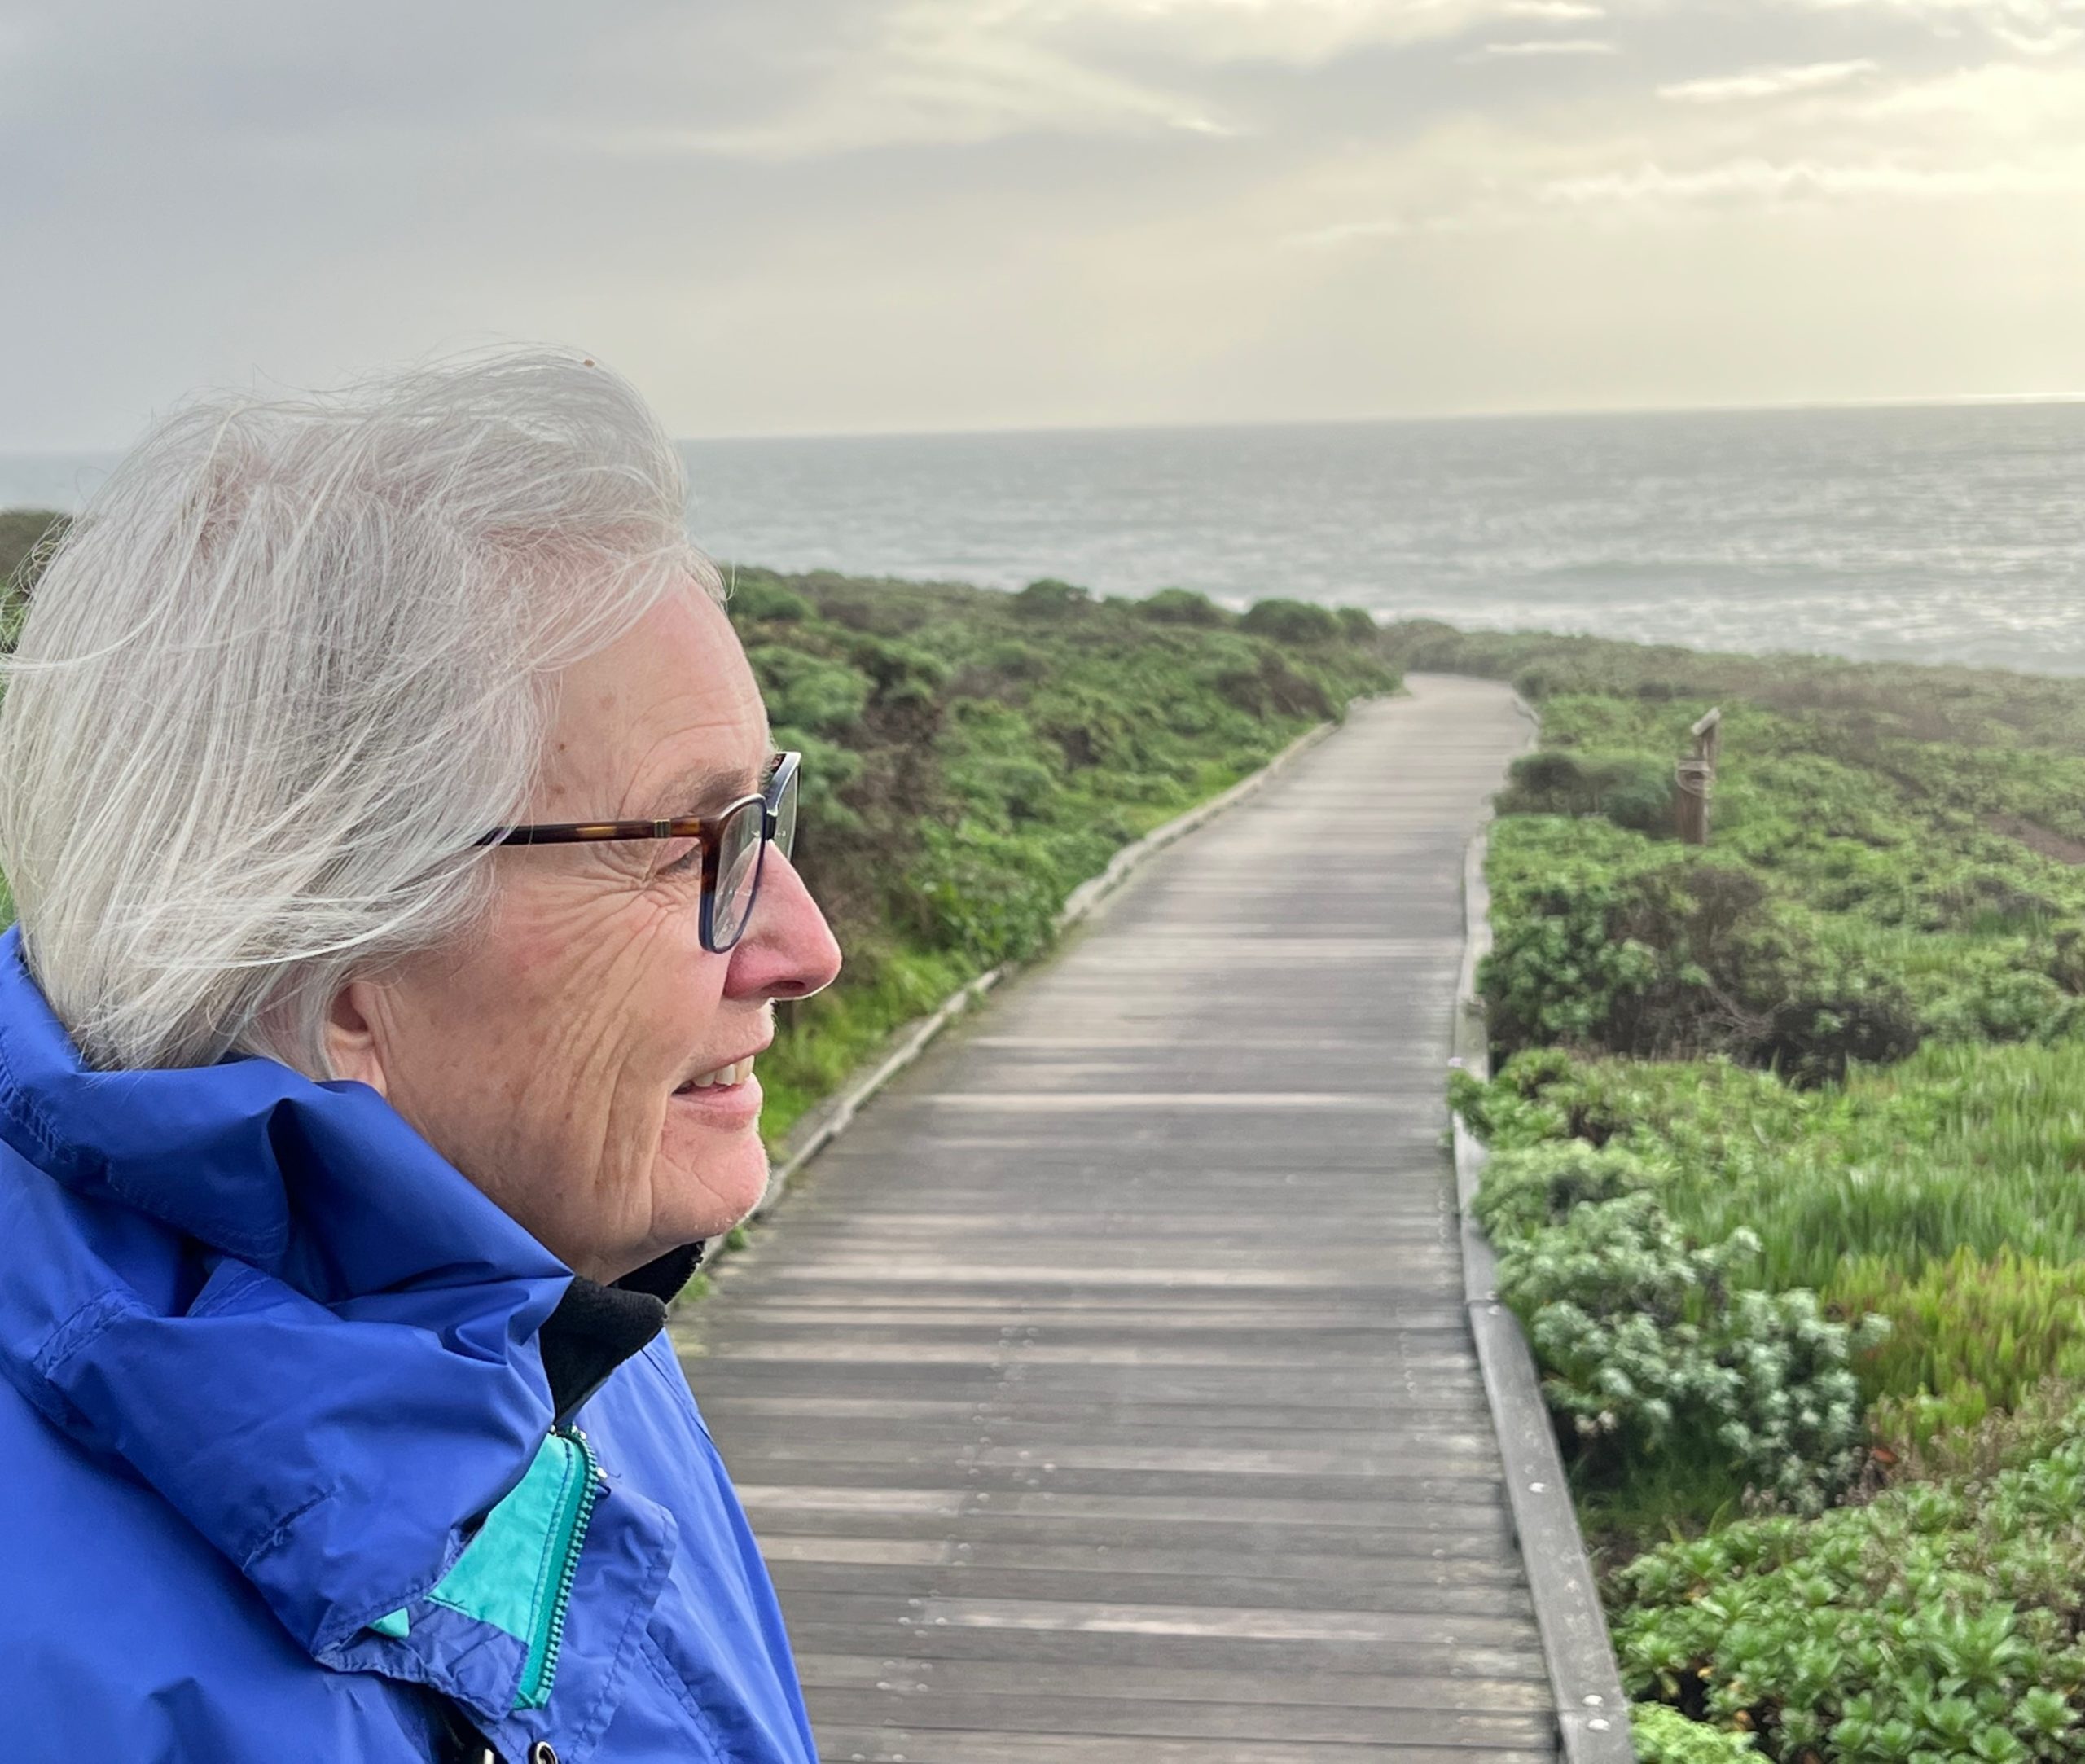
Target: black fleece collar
{"points": [[596, 1328]]}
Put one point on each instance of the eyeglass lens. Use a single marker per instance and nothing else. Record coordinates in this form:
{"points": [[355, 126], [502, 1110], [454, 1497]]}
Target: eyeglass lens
{"points": [[738, 873], [739, 852], [785, 817]]}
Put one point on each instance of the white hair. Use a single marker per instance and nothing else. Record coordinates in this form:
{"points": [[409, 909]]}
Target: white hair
{"points": [[291, 661]]}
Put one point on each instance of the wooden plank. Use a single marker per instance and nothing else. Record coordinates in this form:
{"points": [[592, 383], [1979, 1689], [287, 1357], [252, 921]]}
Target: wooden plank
{"points": [[898, 1745], [1476, 1545], [1383, 1417], [1377, 1593], [1193, 1684], [1109, 1392], [1048, 1480], [1364, 1513], [1395, 1349], [1420, 1638], [1126, 1435], [933, 1709], [1496, 1564], [1158, 1386], [1371, 1504], [831, 1624]]}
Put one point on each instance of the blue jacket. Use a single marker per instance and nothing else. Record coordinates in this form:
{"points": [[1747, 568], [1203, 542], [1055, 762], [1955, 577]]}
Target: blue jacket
{"points": [[278, 1473]]}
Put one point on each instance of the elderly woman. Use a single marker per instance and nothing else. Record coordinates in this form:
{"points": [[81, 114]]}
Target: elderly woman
{"points": [[404, 889]]}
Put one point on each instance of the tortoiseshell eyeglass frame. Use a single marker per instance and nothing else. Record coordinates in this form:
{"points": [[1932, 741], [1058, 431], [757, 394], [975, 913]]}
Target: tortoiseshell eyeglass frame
{"points": [[776, 804]]}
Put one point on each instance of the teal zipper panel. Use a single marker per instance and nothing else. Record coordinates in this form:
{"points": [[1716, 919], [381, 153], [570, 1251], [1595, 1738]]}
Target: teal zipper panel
{"points": [[547, 1635], [517, 1573]]}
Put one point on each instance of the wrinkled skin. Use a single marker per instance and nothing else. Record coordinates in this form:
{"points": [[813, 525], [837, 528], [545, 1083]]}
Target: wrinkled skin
{"points": [[542, 1056]]}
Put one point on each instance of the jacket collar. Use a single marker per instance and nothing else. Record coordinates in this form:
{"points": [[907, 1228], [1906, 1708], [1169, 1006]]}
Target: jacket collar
{"points": [[595, 1328]]}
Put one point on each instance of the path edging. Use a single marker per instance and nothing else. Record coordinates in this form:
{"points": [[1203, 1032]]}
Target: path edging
{"points": [[837, 1115], [1592, 1713]]}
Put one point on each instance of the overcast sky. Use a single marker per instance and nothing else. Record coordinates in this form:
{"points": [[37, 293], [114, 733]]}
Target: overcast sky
{"points": [[789, 216]]}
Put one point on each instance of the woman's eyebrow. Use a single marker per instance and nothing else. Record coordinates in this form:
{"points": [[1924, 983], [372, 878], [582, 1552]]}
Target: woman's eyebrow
{"points": [[702, 791]]}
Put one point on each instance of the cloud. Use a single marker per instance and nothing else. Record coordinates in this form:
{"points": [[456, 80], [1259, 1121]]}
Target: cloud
{"points": [[2026, 12], [1349, 233], [1553, 46], [1296, 33], [953, 72], [2030, 27], [1762, 180], [946, 72], [2027, 102], [1766, 82], [2053, 41], [2010, 111]]}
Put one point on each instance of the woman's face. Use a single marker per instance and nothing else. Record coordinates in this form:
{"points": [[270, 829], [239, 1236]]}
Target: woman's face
{"points": [[550, 1059]]}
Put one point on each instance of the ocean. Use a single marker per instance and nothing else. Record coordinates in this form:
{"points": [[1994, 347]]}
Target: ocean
{"points": [[1928, 533]]}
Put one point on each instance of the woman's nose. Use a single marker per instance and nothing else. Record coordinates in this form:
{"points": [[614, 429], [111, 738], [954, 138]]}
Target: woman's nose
{"points": [[788, 950]]}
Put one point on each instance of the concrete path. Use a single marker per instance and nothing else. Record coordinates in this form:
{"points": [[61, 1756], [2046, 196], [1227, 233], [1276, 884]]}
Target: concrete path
{"points": [[1105, 1394]]}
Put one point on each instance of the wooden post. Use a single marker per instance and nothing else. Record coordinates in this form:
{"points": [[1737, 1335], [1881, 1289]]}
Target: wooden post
{"points": [[1696, 779]]}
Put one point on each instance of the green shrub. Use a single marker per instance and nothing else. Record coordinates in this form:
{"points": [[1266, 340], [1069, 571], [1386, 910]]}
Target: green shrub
{"points": [[1272, 687], [1357, 625], [1013, 788], [1605, 939], [1632, 790], [1558, 972], [1526, 1192], [1050, 599], [1182, 606], [1014, 659], [1646, 1350], [808, 691], [1811, 1040], [992, 896], [757, 598], [971, 757], [1290, 621]]}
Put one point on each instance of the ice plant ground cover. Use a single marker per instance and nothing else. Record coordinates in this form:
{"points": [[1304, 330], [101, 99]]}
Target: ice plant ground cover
{"points": [[1789, 1185]]}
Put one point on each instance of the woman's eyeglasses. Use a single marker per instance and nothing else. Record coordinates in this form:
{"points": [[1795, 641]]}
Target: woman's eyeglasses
{"points": [[733, 844]]}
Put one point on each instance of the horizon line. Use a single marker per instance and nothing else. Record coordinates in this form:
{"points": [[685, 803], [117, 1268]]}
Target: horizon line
{"points": [[1916, 402], [1920, 401]]}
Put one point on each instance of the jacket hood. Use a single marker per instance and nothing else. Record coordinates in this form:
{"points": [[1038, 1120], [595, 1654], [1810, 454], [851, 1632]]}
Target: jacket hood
{"points": [[277, 1305]]}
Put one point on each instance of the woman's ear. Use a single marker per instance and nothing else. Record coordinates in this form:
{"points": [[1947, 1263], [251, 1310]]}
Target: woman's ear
{"points": [[353, 1047]]}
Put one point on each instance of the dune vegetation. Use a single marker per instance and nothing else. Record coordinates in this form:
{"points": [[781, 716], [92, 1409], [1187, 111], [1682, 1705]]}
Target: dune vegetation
{"points": [[1789, 1184]]}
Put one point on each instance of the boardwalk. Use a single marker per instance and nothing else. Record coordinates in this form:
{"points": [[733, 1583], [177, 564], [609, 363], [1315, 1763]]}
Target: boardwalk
{"points": [[1105, 1394]]}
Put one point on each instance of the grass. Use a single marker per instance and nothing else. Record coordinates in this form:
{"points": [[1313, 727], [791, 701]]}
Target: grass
{"points": [[1960, 1146]]}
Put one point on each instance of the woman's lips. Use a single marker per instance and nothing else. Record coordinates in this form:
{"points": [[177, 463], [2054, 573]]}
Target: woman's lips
{"points": [[723, 1105]]}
